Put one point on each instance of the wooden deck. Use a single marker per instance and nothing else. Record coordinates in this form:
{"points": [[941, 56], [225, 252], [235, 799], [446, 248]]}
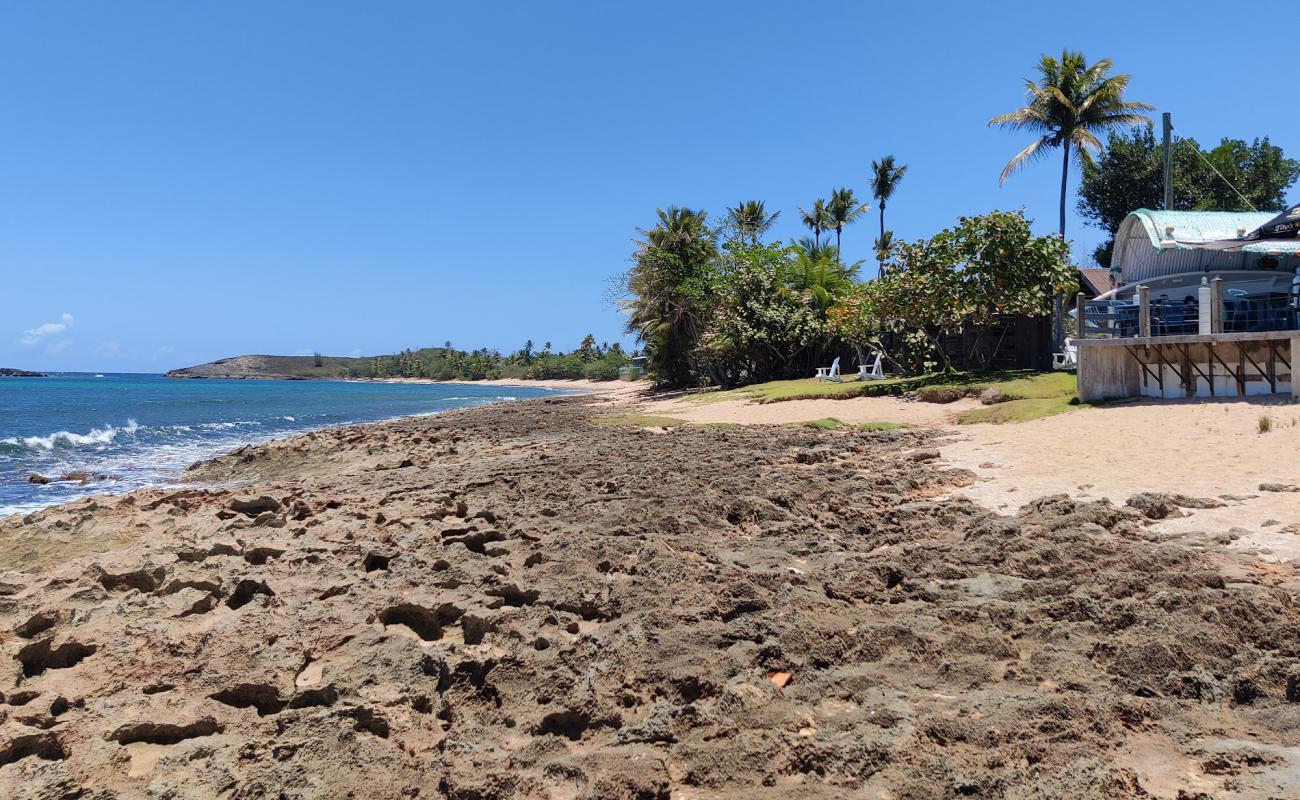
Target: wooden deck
{"points": [[1189, 365]]}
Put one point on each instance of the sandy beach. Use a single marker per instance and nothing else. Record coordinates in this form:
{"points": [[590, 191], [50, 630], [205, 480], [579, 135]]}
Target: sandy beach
{"points": [[1200, 448], [524, 601]]}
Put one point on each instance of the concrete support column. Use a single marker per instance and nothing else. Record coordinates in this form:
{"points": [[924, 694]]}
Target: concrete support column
{"points": [[1204, 309]]}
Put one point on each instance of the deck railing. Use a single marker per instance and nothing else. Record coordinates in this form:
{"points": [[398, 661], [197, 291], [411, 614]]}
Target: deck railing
{"points": [[1209, 312]]}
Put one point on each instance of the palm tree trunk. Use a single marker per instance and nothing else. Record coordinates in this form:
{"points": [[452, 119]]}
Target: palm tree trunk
{"points": [[880, 243], [838, 229], [1058, 300], [1065, 178]]}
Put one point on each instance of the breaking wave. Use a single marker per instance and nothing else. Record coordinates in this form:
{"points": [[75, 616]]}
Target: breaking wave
{"points": [[96, 437]]}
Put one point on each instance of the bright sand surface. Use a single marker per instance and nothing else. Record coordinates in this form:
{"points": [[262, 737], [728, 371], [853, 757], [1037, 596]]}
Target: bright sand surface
{"points": [[1197, 448]]}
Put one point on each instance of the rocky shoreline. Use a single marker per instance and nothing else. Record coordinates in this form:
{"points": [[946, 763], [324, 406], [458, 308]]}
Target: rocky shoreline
{"points": [[524, 601]]}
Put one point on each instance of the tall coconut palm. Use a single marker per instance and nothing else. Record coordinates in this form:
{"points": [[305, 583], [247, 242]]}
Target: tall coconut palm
{"points": [[818, 219], [750, 220], [844, 209], [1069, 106], [885, 177]]}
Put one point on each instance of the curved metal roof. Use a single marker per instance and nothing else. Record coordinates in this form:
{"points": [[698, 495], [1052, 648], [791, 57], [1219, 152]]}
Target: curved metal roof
{"points": [[1198, 226]]}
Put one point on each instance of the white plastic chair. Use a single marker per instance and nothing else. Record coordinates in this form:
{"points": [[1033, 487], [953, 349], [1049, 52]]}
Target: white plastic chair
{"points": [[831, 373], [874, 372], [1069, 359]]}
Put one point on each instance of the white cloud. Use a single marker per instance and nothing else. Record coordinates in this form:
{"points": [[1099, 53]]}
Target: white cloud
{"points": [[43, 332]]}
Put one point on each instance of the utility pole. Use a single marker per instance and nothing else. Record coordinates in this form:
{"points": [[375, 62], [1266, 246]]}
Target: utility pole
{"points": [[1169, 161]]}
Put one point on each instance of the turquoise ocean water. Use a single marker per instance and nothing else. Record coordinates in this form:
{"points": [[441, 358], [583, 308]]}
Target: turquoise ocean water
{"points": [[144, 429]]}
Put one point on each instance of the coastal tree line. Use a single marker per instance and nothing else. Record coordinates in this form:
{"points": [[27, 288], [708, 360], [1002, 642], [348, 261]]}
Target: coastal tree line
{"points": [[590, 360], [713, 302]]}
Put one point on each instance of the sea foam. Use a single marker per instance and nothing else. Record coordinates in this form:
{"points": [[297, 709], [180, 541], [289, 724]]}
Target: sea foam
{"points": [[96, 436]]}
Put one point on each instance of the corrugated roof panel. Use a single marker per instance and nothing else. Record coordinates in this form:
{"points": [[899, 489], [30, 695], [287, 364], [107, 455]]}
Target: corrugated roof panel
{"points": [[1201, 226]]}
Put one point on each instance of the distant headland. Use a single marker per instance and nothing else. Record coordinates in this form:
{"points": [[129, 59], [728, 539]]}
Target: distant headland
{"points": [[591, 360], [9, 372], [258, 367]]}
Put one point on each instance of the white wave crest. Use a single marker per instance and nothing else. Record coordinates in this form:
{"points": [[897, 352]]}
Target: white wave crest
{"points": [[96, 436]]}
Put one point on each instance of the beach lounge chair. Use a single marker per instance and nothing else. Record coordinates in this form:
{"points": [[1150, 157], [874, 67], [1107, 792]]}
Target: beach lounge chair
{"points": [[874, 372], [831, 373], [1069, 359]]}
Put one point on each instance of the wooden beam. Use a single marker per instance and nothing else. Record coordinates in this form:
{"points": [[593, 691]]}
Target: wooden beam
{"points": [[1192, 365], [1257, 367], [1160, 357], [1272, 368], [1145, 369], [1240, 370], [1283, 359]]}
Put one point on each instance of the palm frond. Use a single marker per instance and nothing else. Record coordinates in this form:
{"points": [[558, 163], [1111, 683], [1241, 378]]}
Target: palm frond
{"points": [[1036, 149]]}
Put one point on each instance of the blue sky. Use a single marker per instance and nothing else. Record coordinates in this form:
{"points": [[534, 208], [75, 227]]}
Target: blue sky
{"points": [[183, 181]]}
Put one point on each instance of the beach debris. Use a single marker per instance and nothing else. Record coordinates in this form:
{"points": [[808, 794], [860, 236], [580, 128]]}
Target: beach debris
{"points": [[780, 679], [1279, 487]]}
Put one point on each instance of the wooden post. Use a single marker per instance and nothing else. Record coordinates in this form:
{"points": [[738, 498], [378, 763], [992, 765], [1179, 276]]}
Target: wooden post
{"points": [[1144, 311], [1216, 305], [1081, 311]]}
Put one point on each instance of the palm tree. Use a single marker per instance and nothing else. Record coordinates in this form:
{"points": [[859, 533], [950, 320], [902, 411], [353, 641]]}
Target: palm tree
{"points": [[844, 209], [678, 229], [663, 304], [817, 220], [751, 220], [1069, 106], [819, 275], [884, 246], [885, 177]]}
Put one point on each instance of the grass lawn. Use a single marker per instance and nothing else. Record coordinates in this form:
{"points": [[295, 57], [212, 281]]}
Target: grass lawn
{"points": [[807, 389], [832, 424], [1029, 395]]}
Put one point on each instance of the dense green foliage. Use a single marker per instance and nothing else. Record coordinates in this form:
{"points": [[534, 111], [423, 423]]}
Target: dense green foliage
{"points": [[986, 266], [1130, 175], [590, 360], [750, 311]]}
